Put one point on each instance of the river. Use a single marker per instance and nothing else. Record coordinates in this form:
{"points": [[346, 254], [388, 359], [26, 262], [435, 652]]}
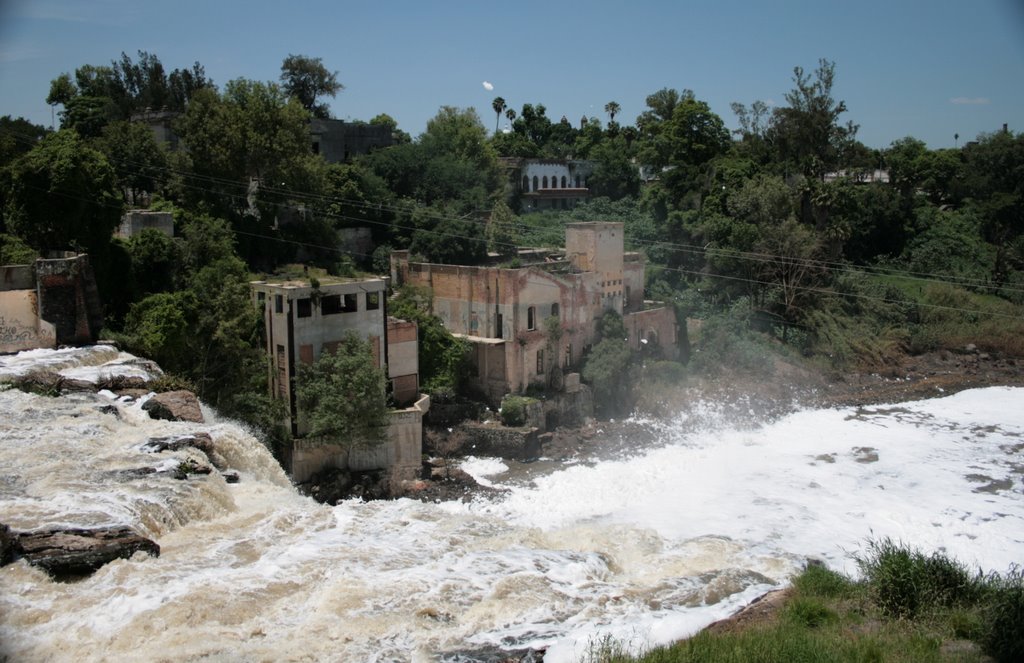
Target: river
{"points": [[645, 547]]}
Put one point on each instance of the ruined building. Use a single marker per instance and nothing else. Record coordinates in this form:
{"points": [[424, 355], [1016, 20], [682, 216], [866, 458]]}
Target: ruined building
{"points": [[302, 321], [532, 324], [50, 303]]}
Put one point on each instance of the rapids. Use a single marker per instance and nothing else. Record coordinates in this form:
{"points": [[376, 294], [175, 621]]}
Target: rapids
{"points": [[645, 548]]}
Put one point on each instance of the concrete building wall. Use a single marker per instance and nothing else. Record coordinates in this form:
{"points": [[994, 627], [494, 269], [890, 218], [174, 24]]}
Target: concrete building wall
{"points": [[403, 360], [135, 221], [654, 330], [20, 326], [633, 276], [299, 330], [401, 452], [338, 141]]}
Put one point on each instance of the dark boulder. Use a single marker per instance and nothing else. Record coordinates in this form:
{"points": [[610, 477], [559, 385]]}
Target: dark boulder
{"points": [[69, 553], [175, 406], [199, 441], [9, 547]]}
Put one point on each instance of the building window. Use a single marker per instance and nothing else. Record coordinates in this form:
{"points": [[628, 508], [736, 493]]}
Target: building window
{"points": [[304, 308], [372, 301], [278, 304], [498, 324], [540, 362], [568, 355], [563, 181], [544, 182], [577, 181], [330, 305], [534, 182], [554, 310], [531, 317], [526, 184], [350, 304]]}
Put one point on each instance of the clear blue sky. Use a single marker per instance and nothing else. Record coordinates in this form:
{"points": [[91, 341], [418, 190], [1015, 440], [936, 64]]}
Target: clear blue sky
{"points": [[927, 68]]}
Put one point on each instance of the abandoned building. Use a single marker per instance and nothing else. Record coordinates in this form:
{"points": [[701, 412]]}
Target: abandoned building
{"points": [[302, 321], [338, 141], [133, 222], [531, 324], [49, 303], [540, 184]]}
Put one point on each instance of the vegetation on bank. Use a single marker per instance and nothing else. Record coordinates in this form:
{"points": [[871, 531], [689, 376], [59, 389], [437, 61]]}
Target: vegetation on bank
{"points": [[908, 606]]}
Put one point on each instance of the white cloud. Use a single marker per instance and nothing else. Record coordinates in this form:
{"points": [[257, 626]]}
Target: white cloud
{"points": [[488, 86], [970, 101]]}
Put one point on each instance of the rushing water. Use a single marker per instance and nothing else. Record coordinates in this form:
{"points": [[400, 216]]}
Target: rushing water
{"points": [[645, 548]]}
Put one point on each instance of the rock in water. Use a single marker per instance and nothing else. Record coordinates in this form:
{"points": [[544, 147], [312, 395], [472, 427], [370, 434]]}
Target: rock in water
{"points": [[175, 406], [9, 548], [76, 552]]}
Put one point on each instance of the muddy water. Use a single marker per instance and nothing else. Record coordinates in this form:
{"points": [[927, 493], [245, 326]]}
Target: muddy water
{"points": [[646, 546]]}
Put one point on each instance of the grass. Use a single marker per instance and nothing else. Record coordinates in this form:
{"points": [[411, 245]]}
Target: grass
{"points": [[908, 606]]}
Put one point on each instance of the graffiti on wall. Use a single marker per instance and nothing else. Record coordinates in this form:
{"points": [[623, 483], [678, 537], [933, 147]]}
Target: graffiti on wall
{"points": [[15, 332]]}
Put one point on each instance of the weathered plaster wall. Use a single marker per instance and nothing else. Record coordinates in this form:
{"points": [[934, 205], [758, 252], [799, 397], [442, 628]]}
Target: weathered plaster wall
{"points": [[400, 453], [658, 327], [20, 326]]}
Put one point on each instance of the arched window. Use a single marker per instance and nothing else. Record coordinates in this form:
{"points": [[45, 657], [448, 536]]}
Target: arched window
{"points": [[577, 181], [534, 182], [526, 184], [554, 310], [563, 181], [544, 182], [531, 318]]}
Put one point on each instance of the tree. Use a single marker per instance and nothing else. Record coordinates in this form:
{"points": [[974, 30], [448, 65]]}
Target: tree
{"points": [[499, 106], [62, 194], [61, 92], [510, 115], [398, 137], [502, 233], [306, 79], [806, 133], [139, 161], [612, 108], [444, 359], [342, 395], [606, 369]]}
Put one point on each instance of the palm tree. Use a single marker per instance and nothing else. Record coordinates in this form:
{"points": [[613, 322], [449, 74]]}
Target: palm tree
{"points": [[498, 105], [511, 115], [612, 107]]}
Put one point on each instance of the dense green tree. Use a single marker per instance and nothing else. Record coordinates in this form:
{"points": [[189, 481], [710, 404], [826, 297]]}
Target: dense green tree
{"points": [[806, 133], [502, 230], [615, 176], [444, 359], [62, 194], [307, 79], [18, 136], [607, 366], [451, 241], [140, 162], [156, 261], [397, 135], [342, 395]]}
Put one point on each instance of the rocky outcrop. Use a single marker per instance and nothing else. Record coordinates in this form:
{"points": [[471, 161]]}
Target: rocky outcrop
{"points": [[175, 406], [69, 553]]}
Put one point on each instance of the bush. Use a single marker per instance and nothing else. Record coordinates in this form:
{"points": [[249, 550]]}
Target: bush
{"points": [[809, 612], [668, 372], [904, 581], [820, 581], [513, 409], [1004, 617]]}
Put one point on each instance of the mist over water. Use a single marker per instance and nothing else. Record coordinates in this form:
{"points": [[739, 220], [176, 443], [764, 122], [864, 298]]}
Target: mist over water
{"points": [[646, 547]]}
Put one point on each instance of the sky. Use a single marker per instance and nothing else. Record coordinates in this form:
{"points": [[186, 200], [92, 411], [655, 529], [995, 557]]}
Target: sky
{"points": [[931, 69]]}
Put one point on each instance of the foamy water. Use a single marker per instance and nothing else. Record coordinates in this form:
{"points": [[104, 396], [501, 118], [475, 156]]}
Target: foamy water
{"points": [[646, 548]]}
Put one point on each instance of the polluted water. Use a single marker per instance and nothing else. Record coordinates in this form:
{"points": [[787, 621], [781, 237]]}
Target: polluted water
{"points": [[642, 549]]}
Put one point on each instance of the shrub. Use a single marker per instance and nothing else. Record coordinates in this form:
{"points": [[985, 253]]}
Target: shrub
{"points": [[513, 409], [1004, 617], [817, 580], [904, 581]]}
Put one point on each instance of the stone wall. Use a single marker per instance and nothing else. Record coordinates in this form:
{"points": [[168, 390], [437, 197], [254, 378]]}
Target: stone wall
{"points": [[513, 443]]}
